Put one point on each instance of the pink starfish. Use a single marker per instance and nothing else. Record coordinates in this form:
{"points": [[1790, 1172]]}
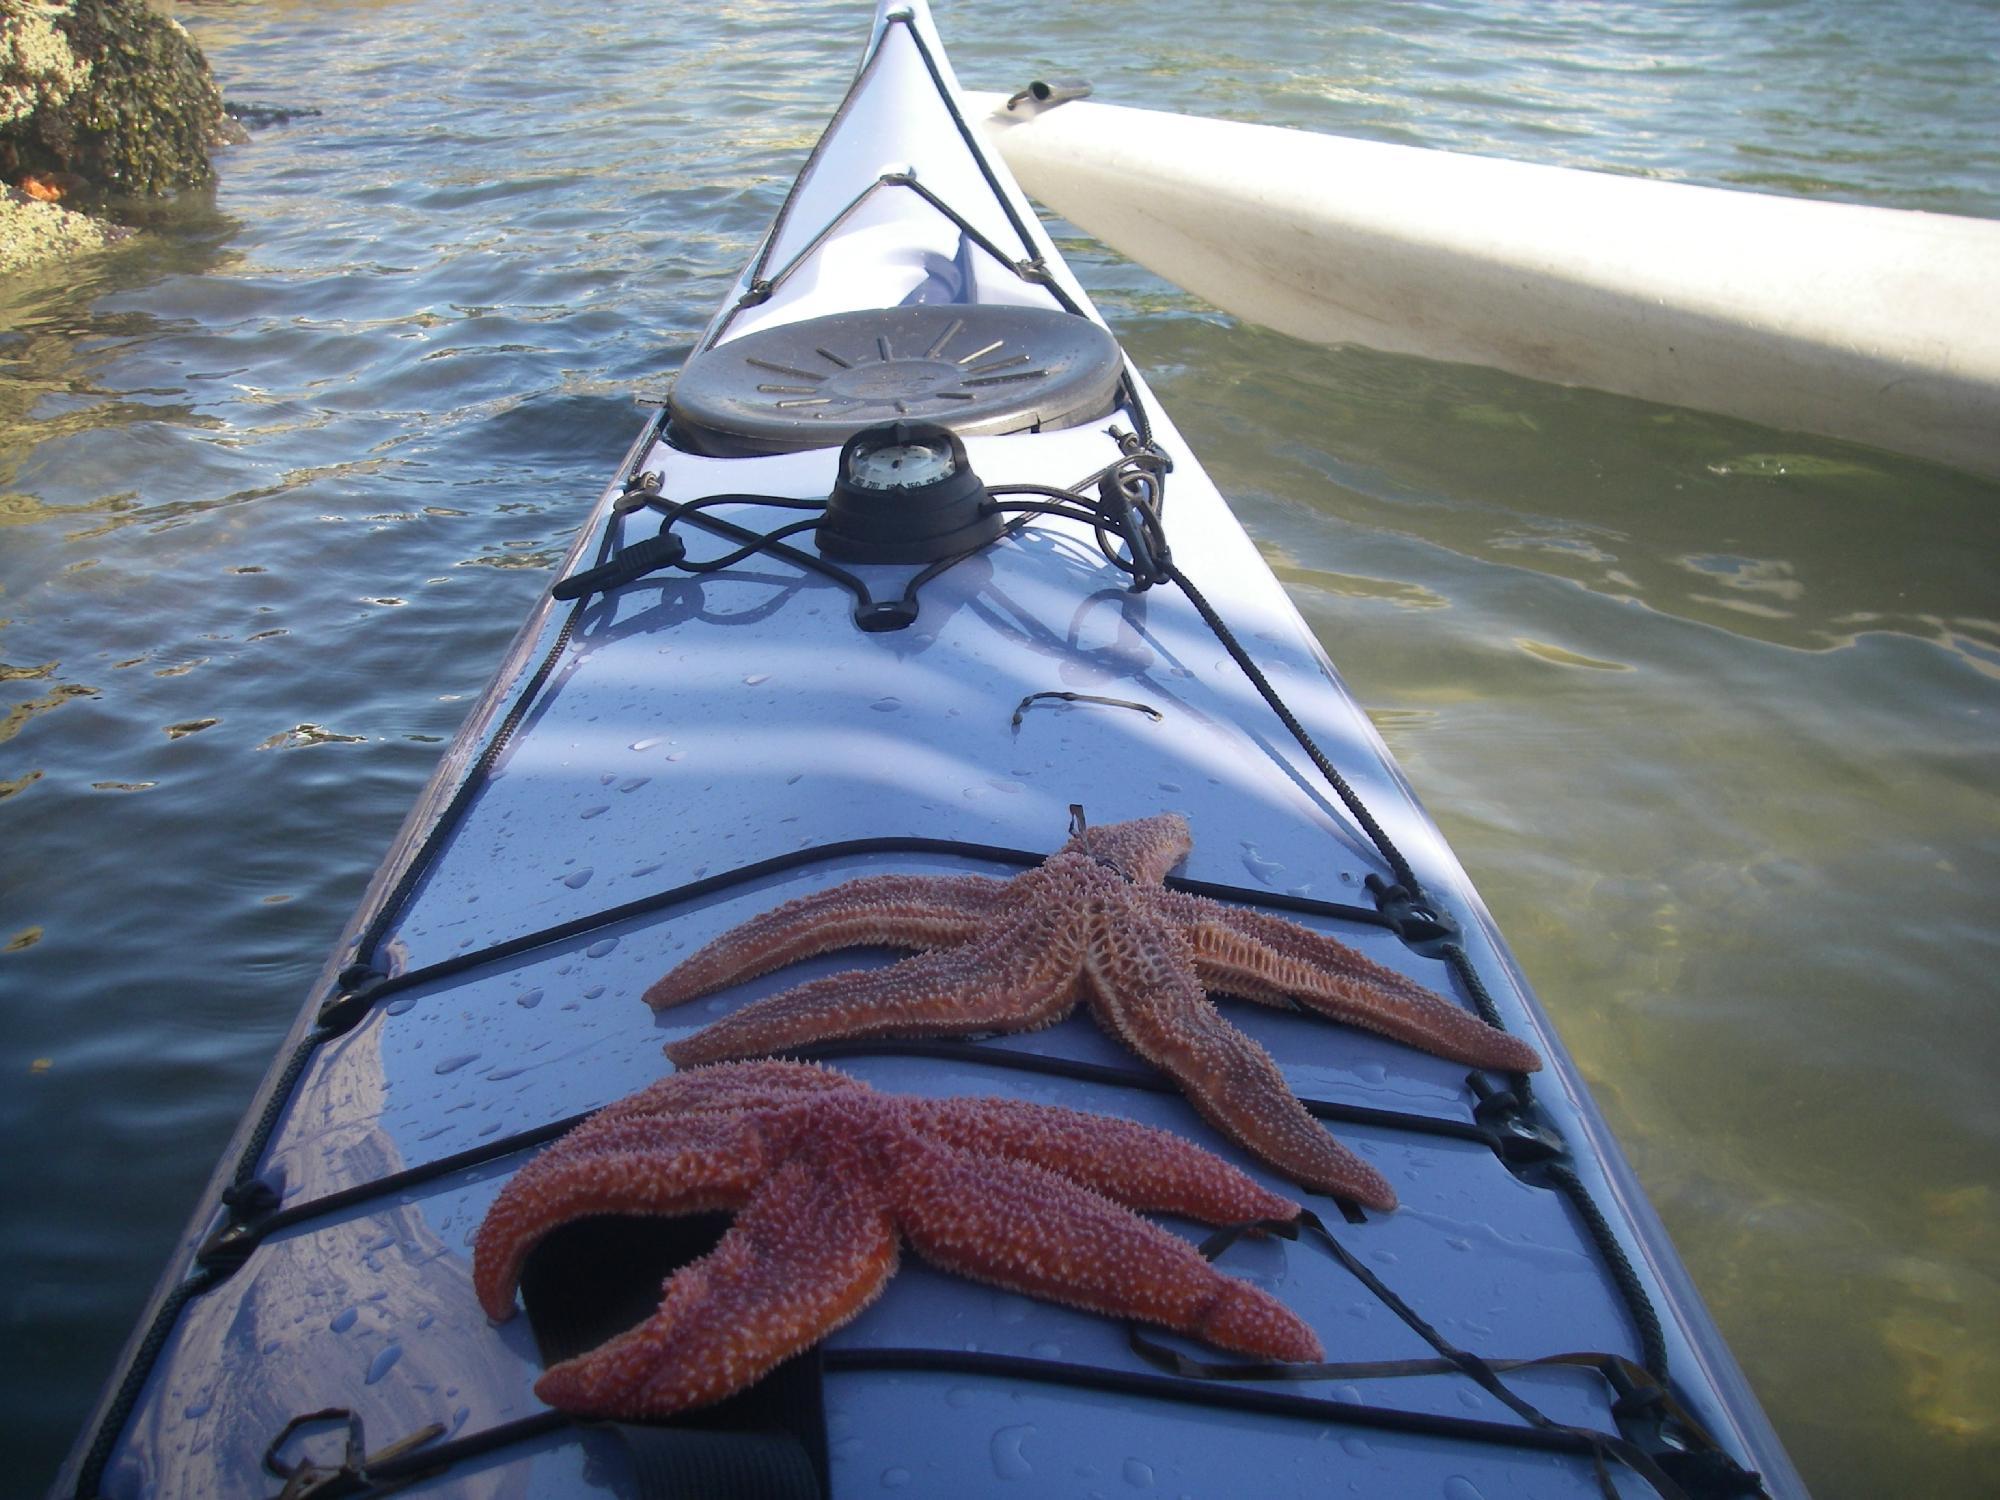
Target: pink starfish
{"points": [[827, 1177], [1091, 922]]}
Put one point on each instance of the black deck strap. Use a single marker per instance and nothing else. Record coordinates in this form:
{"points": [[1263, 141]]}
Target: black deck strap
{"points": [[1019, 1368], [1452, 1359], [257, 1216], [460, 963], [986, 1055]]}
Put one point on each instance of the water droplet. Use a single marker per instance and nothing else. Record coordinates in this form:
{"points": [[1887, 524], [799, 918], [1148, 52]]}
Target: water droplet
{"points": [[528, 999], [756, 677], [601, 947], [383, 1362], [1356, 1448], [342, 1321], [1170, 786], [1138, 1475], [886, 705], [199, 1408], [593, 992], [1008, 1460], [579, 880], [399, 1007], [895, 1479], [1044, 1349], [591, 812], [1458, 1487], [453, 1064], [647, 744], [633, 783]]}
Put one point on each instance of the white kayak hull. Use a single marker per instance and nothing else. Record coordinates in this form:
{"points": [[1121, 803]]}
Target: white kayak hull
{"points": [[655, 764], [1872, 325]]}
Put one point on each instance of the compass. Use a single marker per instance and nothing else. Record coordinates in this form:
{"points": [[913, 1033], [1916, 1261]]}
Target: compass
{"points": [[905, 494]]}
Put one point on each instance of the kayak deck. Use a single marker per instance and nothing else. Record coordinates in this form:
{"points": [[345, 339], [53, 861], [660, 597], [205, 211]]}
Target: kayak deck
{"points": [[657, 763]]}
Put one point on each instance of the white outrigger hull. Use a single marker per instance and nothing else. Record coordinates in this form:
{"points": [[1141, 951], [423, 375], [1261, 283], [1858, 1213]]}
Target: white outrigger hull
{"points": [[1874, 325]]}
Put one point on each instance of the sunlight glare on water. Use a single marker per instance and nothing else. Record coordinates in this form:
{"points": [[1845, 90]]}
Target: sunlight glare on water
{"points": [[1708, 710]]}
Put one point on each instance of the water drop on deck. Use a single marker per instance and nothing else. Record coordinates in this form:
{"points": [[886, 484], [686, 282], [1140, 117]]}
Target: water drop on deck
{"points": [[1008, 1460], [382, 1363]]}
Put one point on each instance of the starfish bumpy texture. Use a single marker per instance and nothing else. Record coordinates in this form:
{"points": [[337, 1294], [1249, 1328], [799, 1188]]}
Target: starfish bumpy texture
{"points": [[1092, 921], [827, 1178]]}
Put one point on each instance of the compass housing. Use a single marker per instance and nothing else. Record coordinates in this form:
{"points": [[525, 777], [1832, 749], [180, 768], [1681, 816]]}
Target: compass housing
{"points": [[905, 494]]}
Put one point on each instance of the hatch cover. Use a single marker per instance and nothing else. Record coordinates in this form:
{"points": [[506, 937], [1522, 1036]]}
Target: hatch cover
{"points": [[978, 369]]}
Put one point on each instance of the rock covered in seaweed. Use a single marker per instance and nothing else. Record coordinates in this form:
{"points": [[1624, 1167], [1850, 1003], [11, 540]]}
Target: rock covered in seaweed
{"points": [[106, 89]]}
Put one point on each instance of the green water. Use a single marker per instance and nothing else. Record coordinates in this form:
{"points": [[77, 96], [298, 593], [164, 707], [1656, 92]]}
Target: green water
{"points": [[1708, 710]]}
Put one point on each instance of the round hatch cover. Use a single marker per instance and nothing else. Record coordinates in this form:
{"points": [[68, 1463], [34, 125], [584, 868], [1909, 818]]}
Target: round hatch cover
{"points": [[978, 368]]}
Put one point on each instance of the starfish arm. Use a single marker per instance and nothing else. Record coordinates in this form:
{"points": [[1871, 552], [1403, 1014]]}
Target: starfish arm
{"points": [[1267, 959], [1143, 849], [730, 1086], [666, 1167], [890, 911], [1143, 989], [808, 1253], [1127, 1162], [1021, 978], [1018, 1226]]}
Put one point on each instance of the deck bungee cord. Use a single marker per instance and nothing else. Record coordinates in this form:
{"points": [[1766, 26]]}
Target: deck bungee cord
{"points": [[1502, 1120], [1122, 504]]}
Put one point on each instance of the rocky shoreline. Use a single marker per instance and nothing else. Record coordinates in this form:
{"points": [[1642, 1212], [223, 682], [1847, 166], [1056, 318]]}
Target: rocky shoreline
{"points": [[99, 99]]}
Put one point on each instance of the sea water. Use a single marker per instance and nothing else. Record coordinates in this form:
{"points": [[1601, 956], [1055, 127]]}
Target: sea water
{"points": [[1709, 710]]}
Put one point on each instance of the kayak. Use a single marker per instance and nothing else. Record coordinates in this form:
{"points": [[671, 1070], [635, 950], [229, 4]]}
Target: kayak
{"points": [[1872, 325], [619, 1148]]}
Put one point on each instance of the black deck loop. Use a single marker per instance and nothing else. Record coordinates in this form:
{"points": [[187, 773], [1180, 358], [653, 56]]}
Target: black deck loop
{"points": [[229, 1247], [343, 1010], [1515, 1129], [1413, 916]]}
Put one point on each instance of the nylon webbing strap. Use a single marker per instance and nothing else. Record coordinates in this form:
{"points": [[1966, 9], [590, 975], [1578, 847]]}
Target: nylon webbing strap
{"points": [[1451, 1359]]}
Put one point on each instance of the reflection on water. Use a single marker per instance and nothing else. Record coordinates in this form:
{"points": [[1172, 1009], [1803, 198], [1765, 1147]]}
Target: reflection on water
{"points": [[1709, 710]]}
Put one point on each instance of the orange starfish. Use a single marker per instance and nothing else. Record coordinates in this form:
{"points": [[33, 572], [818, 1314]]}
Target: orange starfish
{"points": [[828, 1177], [1091, 921]]}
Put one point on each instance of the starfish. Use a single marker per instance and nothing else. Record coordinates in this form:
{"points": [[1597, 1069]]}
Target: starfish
{"points": [[826, 1178], [1091, 921]]}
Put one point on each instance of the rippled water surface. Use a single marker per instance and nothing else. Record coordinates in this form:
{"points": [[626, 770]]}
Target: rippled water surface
{"points": [[1709, 710]]}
